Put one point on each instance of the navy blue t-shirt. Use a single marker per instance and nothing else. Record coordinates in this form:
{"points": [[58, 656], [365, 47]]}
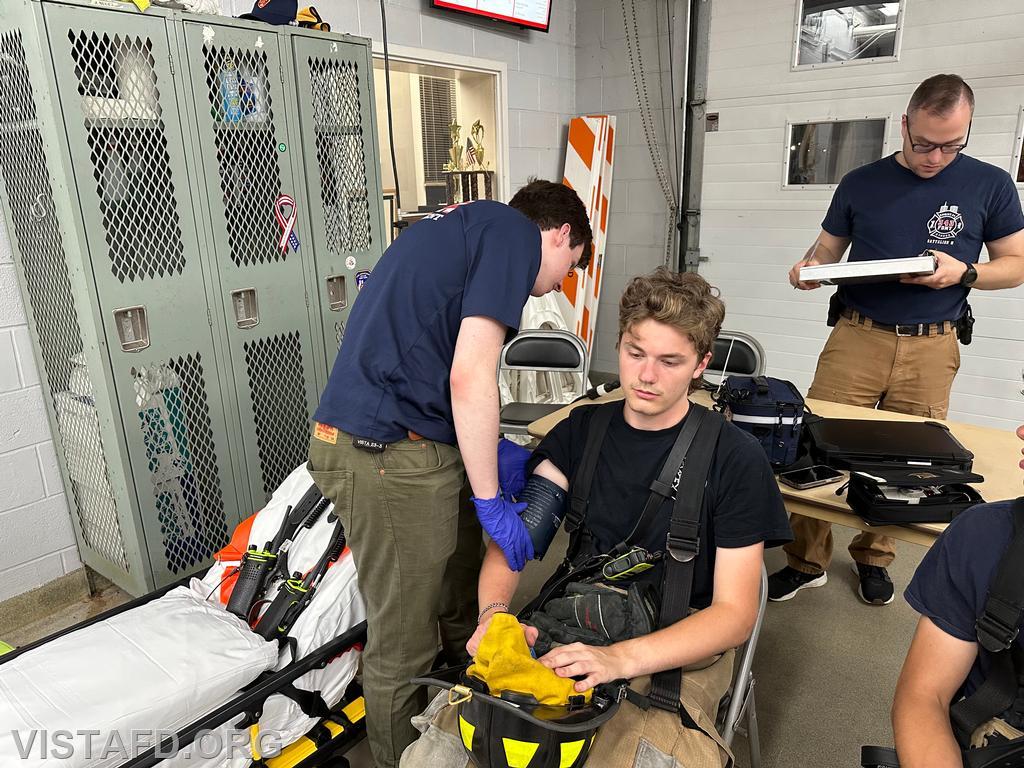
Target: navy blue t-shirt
{"points": [[952, 581], [392, 372], [889, 212]]}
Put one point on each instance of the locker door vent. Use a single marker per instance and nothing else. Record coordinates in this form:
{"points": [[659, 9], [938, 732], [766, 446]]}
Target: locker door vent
{"points": [[238, 85], [178, 437], [128, 149], [340, 152], [277, 383], [38, 240]]}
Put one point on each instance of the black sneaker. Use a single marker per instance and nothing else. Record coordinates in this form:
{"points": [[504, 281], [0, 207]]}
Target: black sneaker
{"points": [[784, 584], [875, 585]]}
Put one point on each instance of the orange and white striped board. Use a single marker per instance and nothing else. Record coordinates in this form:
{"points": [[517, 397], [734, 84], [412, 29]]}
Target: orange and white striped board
{"points": [[589, 160]]}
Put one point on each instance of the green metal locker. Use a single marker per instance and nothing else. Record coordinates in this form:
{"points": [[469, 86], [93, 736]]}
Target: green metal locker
{"points": [[144, 161]]}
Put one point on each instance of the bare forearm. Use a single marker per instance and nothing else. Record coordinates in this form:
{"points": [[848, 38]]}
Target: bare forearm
{"points": [[497, 582], [475, 410], [699, 636], [1004, 272], [823, 253], [924, 736]]}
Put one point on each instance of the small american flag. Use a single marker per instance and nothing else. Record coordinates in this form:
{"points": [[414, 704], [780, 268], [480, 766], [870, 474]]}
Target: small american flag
{"points": [[470, 152]]}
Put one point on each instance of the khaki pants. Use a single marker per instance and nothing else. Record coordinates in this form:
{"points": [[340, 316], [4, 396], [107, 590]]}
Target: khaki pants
{"points": [[418, 553], [861, 365], [633, 738]]}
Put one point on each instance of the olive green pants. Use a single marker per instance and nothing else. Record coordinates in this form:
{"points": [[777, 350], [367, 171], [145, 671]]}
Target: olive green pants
{"points": [[418, 553]]}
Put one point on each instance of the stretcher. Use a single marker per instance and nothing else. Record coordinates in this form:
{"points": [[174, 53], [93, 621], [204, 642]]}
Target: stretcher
{"points": [[176, 679]]}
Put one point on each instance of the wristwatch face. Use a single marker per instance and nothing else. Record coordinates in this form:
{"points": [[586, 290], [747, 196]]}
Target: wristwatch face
{"points": [[970, 276]]}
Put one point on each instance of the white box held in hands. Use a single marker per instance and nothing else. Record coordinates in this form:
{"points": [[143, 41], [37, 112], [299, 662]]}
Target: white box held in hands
{"points": [[874, 271]]}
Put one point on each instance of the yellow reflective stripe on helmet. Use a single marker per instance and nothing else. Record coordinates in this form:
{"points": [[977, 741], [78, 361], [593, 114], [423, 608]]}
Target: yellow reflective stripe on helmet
{"points": [[466, 729], [518, 754], [570, 751]]}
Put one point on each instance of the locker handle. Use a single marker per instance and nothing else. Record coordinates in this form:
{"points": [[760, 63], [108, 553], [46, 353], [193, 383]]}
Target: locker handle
{"points": [[132, 327], [245, 304], [337, 297]]}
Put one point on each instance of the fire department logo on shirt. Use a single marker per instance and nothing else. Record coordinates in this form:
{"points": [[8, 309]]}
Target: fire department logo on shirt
{"points": [[946, 223]]}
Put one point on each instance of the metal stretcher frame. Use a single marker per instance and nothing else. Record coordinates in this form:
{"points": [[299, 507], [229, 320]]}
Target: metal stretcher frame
{"points": [[250, 699]]}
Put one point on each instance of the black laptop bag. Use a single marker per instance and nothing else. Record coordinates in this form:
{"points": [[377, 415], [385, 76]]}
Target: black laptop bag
{"points": [[901, 495]]}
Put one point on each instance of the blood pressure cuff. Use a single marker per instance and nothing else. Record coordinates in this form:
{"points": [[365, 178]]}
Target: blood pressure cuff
{"points": [[596, 614]]}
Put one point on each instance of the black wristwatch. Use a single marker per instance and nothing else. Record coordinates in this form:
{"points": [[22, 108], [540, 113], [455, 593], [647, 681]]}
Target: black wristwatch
{"points": [[969, 277]]}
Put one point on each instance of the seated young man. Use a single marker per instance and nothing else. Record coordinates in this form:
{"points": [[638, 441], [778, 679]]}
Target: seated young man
{"points": [[667, 326], [943, 664]]}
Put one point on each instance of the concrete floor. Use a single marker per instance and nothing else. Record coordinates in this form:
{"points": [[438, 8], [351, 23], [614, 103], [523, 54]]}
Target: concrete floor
{"points": [[826, 667]]}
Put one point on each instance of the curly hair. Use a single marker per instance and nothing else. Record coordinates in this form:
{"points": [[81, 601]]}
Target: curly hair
{"points": [[683, 300]]}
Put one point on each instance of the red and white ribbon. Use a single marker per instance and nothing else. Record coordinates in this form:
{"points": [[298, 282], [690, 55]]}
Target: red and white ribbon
{"points": [[284, 210]]}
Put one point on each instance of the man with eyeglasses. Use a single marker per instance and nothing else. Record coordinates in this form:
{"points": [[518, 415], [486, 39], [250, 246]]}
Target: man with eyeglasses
{"points": [[894, 345]]}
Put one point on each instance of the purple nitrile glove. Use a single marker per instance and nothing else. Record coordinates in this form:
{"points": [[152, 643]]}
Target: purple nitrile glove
{"points": [[500, 519], [512, 460]]}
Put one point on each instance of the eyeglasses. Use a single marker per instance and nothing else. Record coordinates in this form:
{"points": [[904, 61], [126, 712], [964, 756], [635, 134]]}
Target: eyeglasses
{"points": [[947, 149]]}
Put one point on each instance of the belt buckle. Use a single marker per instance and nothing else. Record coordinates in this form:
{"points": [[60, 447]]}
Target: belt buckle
{"points": [[910, 328]]}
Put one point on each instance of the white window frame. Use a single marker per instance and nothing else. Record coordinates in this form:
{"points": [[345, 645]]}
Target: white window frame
{"points": [[499, 69], [897, 44], [787, 137], [1018, 141]]}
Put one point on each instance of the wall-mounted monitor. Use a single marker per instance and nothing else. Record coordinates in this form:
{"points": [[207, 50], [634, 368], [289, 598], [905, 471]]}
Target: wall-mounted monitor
{"points": [[532, 14]]}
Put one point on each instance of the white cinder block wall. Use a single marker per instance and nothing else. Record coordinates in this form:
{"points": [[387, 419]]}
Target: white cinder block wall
{"points": [[37, 543], [604, 83], [36, 538], [753, 230]]}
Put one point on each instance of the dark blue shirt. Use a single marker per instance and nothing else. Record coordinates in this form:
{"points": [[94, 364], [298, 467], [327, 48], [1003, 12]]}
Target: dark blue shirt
{"points": [[392, 372], [952, 581], [889, 212]]}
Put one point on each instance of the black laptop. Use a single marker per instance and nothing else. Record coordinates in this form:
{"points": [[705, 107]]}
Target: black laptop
{"points": [[861, 443]]}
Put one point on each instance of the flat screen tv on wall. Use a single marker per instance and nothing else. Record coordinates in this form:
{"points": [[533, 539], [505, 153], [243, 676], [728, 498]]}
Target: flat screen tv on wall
{"points": [[531, 14]]}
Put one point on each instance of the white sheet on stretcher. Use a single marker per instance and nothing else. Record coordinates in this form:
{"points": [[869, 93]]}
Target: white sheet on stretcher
{"points": [[159, 666], [167, 663]]}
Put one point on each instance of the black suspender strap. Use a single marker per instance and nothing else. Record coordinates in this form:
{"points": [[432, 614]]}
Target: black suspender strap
{"points": [[584, 477], [997, 629], [683, 546], [663, 487], [1000, 622]]}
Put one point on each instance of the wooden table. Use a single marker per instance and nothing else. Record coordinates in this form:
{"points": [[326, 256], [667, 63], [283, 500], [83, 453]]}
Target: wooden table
{"points": [[996, 454]]}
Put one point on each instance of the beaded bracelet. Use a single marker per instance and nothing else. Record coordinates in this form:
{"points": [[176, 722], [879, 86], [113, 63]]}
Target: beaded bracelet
{"points": [[489, 607]]}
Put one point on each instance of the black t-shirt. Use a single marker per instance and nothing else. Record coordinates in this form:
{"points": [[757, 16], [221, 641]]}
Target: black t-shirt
{"points": [[742, 503]]}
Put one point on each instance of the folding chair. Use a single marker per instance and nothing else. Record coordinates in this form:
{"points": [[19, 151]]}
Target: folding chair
{"points": [[734, 353], [741, 696], [540, 351]]}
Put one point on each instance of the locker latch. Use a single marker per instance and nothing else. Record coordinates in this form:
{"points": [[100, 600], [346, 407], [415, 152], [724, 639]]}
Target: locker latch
{"points": [[245, 305], [132, 328], [337, 297]]}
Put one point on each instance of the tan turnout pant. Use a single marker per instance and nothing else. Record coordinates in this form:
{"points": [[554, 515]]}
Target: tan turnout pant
{"points": [[865, 366]]}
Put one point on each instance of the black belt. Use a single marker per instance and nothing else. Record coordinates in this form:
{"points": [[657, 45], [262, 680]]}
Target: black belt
{"points": [[900, 329]]}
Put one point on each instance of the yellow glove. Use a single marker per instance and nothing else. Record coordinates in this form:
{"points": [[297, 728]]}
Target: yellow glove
{"points": [[504, 662]]}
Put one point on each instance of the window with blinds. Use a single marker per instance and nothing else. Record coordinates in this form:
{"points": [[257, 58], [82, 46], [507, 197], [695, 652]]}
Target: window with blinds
{"points": [[437, 110]]}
